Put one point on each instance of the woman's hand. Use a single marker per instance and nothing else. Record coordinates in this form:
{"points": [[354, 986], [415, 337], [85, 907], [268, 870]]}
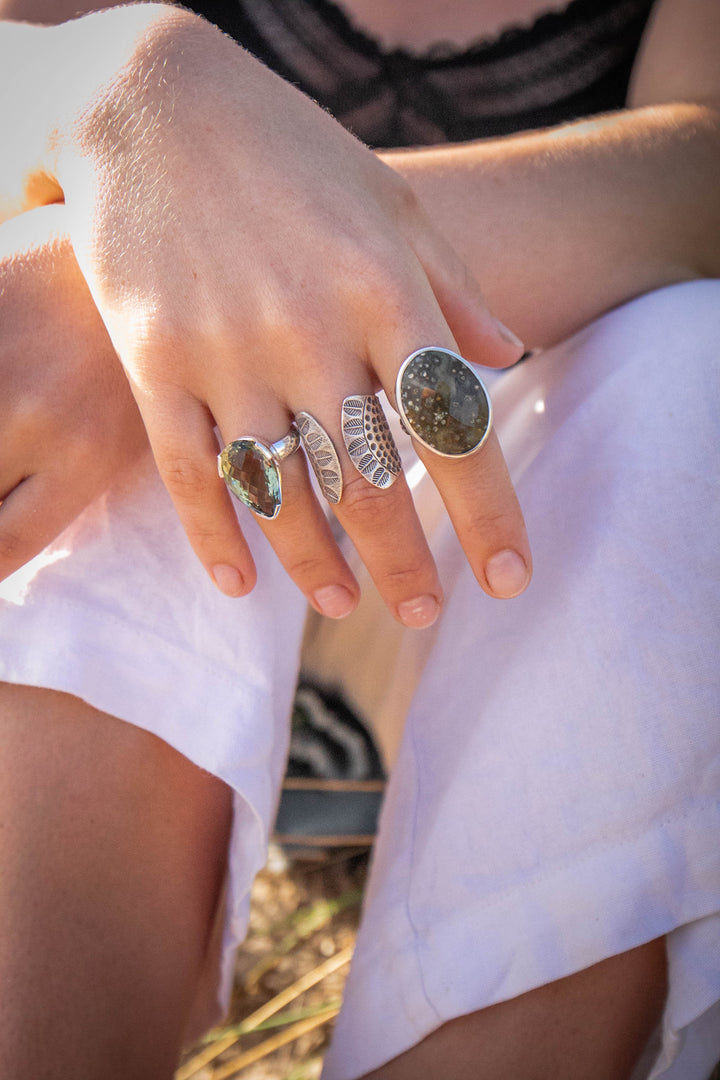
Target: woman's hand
{"points": [[69, 422], [252, 260]]}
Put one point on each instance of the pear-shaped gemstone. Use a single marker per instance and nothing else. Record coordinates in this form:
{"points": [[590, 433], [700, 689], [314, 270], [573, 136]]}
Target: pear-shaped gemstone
{"points": [[252, 474]]}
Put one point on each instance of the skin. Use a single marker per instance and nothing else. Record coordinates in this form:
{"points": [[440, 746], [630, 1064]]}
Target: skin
{"points": [[496, 201], [111, 877], [593, 1024], [72, 402], [668, 149], [334, 301]]}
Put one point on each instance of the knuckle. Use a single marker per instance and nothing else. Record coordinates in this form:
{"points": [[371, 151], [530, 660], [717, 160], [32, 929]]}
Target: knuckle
{"points": [[31, 412], [403, 580], [13, 549], [406, 200], [203, 534], [185, 477], [486, 522], [310, 568], [366, 505]]}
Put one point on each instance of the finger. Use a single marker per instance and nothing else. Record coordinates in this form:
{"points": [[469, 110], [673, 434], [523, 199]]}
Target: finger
{"points": [[480, 336], [183, 441], [303, 541], [387, 534], [31, 517], [299, 533], [381, 521], [476, 488], [481, 501]]}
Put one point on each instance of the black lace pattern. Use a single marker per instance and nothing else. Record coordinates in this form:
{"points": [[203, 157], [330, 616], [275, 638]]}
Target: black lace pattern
{"points": [[567, 64]]}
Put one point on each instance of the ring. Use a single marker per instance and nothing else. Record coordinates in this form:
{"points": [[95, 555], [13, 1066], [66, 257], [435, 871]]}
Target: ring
{"points": [[251, 470], [442, 402], [369, 441], [322, 455]]}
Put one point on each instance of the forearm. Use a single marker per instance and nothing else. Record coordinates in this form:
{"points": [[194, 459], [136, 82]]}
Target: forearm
{"points": [[564, 224]]}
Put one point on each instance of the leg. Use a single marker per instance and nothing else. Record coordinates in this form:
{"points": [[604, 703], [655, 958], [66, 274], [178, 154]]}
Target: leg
{"points": [[555, 791], [593, 1025], [113, 848]]}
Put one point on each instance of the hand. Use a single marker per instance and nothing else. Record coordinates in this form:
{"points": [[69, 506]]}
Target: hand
{"points": [[70, 424], [251, 260]]}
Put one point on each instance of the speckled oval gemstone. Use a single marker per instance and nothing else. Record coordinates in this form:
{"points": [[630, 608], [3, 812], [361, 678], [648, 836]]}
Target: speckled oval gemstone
{"points": [[443, 402], [252, 475]]}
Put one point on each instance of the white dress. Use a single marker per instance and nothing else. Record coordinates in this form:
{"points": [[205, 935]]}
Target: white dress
{"points": [[555, 797]]}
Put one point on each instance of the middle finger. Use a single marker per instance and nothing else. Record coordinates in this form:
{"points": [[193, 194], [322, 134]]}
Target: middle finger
{"points": [[375, 510]]}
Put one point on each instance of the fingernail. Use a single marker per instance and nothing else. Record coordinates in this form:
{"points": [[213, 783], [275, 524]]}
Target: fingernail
{"points": [[335, 601], [420, 612], [228, 580], [507, 335], [507, 574]]}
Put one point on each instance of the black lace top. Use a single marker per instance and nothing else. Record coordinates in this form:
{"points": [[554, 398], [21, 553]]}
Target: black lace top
{"points": [[567, 64]]}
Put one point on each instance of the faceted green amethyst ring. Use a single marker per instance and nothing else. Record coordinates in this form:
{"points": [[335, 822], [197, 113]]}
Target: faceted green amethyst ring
{"points": [[251, 470], [442, 402]]}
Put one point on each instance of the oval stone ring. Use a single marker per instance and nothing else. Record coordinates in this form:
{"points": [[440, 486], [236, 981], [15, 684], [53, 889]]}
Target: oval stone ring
{"points": [[251, 470], [442, 402]]}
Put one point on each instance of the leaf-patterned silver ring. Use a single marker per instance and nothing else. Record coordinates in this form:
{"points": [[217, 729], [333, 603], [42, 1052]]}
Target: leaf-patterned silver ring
{"points": [[369, 441], [322, 455]]}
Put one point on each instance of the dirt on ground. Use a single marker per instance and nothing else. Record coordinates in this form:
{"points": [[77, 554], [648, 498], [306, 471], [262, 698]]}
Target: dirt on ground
{"points": [[304, 916]]}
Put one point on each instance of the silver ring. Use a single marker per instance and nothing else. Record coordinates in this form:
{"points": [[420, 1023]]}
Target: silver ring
{"points": [[442, 402], [322, 455], [251, 470], [369, 441]]}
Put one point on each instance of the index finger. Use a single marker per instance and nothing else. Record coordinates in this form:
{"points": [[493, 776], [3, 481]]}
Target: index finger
{"points": [[486, 515], [474, 483]]}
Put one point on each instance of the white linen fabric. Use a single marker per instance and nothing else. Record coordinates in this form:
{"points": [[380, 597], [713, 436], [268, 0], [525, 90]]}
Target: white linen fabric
{"points": [[556, 793]]}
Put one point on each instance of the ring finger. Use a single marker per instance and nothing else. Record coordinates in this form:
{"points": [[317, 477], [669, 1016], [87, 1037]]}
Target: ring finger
{"points": [[376, 508]]}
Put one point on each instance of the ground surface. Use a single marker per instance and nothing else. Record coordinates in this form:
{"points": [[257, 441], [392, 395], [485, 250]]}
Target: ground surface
{"points": [[303, 922]]}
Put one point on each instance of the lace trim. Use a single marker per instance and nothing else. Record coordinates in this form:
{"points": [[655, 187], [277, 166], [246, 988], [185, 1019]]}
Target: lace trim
{"points": [[546, 25], [568, 63]]}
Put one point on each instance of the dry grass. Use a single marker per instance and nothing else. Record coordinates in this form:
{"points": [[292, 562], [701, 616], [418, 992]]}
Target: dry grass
{"points": [[290, 973]]}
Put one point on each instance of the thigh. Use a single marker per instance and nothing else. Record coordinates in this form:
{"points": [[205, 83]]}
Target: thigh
{"points": [[554, 801], [593, 1024], [113, 850]]}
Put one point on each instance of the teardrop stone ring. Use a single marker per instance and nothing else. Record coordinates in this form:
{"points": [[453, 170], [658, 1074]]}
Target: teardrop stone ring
{"points": [[251, 470]]}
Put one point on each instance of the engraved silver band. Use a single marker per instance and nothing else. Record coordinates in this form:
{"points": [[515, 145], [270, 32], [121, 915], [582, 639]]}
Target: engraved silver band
{"points": [[322, 455], [286, 446], [369, 441]]}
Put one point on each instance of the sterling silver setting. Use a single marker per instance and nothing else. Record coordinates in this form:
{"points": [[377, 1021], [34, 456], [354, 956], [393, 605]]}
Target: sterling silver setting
{"points": [[322, 455], [442, 402], [369, 441], [251, 470], [286, 446]]}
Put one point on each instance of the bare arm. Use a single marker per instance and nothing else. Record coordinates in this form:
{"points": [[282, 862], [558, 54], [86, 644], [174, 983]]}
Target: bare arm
{"points": [[250, 260], [561, 225]]}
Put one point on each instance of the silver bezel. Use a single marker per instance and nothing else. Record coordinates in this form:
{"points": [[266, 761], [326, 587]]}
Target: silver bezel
{"points": [[405, 419], [267, 453]]}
